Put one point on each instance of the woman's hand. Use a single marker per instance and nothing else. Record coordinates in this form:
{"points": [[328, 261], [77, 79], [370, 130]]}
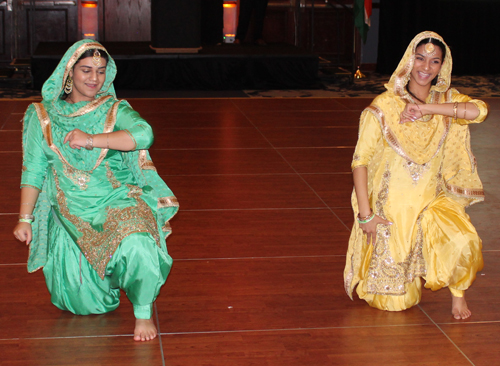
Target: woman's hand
{"points": [[370, 228], [411, 113], [76, 138], [22, 232]]}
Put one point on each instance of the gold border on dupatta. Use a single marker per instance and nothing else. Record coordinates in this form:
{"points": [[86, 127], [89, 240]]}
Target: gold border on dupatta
{"points": [[393, 141], [45, 123], [144, 162], [170, 201]]}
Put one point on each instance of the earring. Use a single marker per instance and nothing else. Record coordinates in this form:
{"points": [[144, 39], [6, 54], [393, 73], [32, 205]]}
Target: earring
{"points": [[68, 88]]}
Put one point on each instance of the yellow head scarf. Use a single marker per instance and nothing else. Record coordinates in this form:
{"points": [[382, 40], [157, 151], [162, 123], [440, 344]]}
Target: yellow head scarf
{"points": [[401, 76]]}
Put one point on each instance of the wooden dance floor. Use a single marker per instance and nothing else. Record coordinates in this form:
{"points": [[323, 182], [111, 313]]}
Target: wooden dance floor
{"points": [[259, 249]]}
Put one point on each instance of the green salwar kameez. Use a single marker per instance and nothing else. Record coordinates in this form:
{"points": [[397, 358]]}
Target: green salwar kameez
{"points": [[101, 218]]}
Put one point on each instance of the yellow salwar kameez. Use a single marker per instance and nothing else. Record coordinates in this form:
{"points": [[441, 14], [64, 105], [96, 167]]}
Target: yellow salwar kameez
{"points": [[421, 176]]}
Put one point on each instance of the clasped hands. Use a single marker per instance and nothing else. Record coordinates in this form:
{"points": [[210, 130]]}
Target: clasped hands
{"points": [[411, 113]]}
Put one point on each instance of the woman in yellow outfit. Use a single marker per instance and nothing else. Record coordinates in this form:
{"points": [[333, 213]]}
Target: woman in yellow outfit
{"points": [[414, 174]]}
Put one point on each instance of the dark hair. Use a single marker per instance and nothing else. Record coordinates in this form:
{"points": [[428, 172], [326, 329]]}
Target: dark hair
{"points": [[88, 53], [435, 42]]}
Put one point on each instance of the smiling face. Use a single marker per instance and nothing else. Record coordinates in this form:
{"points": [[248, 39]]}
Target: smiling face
{"points": [[87, 79], [426, 67]]}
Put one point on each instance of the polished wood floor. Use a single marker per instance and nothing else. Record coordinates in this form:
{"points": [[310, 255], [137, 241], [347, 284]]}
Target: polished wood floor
{"points": [[259, 249]]}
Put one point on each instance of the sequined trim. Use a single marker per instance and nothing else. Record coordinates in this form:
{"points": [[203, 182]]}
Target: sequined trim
{"points": [[393, 141], [81, 178], [166, 227], [30, 186], [170, 201], [111, 177], [468, 192], [132, 137], [144, 162], [359, 166], [98, 247], [416, 171]]}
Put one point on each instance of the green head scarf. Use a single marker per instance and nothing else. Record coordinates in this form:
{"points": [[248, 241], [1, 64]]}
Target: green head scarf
{"points": [[54, 86], [87, 116]]}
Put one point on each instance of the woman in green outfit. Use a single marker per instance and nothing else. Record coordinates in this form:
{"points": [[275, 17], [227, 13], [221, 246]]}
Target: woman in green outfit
{"points": [[93, 209]]}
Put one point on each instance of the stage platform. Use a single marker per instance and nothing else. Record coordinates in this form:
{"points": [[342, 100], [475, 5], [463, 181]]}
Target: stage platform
{"points": [[224, 67]]}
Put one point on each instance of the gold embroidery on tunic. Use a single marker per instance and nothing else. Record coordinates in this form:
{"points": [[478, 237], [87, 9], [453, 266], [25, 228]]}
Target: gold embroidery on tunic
{"points": [[386, 276], [111, 177], [416, 170], [170, 201], [98, 247], [81, 178]]}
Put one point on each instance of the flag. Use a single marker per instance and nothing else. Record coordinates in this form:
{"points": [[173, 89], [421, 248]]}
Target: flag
{"points": [[362, 14]]}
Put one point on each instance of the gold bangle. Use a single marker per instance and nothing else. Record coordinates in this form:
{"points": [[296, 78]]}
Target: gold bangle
{"points": [[367, 216], [455, 108], [465, 110], [27, 203], [90, 143]]}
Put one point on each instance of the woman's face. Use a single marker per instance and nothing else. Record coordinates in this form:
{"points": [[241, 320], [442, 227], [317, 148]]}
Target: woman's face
{"points": [[426, 67], [87, 79]]}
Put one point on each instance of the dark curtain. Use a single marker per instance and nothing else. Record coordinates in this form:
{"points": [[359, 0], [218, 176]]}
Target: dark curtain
{"points": [[469, 27], [212, 22], [175, 23]]}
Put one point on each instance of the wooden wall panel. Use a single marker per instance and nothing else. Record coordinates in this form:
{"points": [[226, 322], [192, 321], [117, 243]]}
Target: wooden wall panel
{"points": [[127, 20], [49, 23]]}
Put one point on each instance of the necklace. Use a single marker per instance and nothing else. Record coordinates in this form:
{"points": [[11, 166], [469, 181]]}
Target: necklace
{"points": [[413, 95]]}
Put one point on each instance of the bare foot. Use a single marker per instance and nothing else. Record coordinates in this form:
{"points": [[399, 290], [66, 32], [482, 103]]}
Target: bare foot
{"points": [[145, 330], [459, 308]]}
